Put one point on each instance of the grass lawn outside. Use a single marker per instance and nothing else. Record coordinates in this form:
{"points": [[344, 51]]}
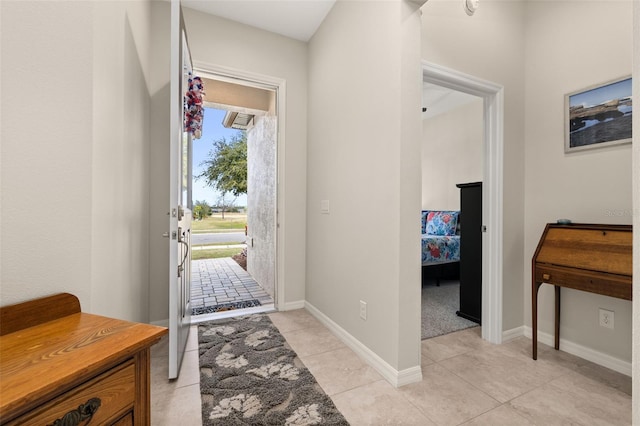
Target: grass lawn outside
{"points": [[214, 253], [215, 223]]}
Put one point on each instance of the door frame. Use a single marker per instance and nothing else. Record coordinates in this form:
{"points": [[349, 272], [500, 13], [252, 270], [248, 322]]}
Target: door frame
{"points": [[179, 282], [492, 194], [278, 85]]}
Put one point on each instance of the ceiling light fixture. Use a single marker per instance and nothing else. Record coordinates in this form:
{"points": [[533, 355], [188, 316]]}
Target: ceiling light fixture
{"points": [[470, 6]]}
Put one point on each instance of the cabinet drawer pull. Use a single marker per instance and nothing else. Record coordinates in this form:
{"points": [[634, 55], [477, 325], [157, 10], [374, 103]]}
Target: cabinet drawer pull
{"points": [[546, 277], [83, 412]]}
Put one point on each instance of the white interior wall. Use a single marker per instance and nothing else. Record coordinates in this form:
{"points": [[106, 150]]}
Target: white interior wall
{"points": [[160, 58], [590, 186], [489, 45], [46, 150], [452, 153], [74, 153], [370, 174], [120, 160]]}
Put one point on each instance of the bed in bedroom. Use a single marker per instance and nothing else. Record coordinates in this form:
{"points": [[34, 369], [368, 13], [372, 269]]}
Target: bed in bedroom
{"points": [[440, 244]]}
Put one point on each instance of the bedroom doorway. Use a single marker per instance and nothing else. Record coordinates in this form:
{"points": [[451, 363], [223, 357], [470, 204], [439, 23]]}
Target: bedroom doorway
{"points": [[492, 183], [451, 238]]}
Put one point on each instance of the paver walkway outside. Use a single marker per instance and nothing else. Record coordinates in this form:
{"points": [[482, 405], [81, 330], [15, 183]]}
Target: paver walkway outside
{"points": [[217, 281]]}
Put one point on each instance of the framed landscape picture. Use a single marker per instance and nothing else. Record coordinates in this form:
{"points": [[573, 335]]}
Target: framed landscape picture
{"points": [[598, 116]]}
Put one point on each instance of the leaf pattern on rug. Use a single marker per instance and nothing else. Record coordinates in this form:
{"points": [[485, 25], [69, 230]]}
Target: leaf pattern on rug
{"points": [[251, 376], [278, 369], [257, 338], [248, 405], [223, 331], [227, 360], [305, 415]]}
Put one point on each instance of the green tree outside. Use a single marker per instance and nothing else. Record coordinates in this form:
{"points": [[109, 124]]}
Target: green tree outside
{"points": [[201, 210], [226, 167]]}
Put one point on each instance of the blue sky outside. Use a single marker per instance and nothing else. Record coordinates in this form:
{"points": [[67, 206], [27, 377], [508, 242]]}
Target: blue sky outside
{"points": [[621, 89], [212, 130]]}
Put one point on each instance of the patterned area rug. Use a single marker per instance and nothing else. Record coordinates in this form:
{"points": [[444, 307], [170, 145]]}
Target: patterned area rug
{"points": [[250, 376], [439, 306]]}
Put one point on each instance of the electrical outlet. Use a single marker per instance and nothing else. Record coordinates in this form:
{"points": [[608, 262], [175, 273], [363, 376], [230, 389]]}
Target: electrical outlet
{"points": [[363, 309], [606, 318]]}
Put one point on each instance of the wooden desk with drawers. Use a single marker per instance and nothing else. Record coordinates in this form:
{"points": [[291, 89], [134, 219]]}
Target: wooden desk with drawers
{"points": [[59, 366], [588, 257]]}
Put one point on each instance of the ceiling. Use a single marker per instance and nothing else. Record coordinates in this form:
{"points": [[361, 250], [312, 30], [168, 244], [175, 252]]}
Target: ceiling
{"points": [[298, 19]]}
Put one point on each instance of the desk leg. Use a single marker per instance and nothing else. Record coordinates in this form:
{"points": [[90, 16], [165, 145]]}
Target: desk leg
{"points": [[557, 334], [534, 317]]}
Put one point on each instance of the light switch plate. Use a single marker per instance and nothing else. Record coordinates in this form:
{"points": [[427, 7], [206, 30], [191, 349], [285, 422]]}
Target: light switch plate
{"points": [[324, 206]]}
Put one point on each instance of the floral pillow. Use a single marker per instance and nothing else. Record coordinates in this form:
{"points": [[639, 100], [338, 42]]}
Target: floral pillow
{"points": [[442, 222]]}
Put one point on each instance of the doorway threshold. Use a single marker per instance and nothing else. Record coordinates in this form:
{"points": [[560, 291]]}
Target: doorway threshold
{"points": [[270, 307]]}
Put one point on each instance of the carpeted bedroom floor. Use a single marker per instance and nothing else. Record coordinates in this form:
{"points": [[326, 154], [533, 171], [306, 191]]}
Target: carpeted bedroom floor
{"points": [[439, 306]]}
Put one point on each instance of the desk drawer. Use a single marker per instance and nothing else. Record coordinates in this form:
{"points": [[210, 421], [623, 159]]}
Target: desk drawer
{"points": [[109, 396], [606, 284]]}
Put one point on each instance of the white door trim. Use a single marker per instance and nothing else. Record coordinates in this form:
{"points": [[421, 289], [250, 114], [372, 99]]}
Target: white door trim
{"points": [[179, 282], [232, 75], [492, 194]]}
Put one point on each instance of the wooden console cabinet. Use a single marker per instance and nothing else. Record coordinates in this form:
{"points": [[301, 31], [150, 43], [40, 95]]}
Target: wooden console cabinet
{"points": [[62, 367]]}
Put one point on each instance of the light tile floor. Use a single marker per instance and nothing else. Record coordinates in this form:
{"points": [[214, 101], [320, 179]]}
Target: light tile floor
{"points": [[465, 381]]}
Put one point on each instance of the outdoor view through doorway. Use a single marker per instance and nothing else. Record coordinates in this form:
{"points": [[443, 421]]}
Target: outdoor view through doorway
{"points": [[233, 183]]}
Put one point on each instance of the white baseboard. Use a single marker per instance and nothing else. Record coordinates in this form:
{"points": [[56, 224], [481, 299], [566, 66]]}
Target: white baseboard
{"points": [[290, 306], [394, 377], [512, 334], [600, 358]]}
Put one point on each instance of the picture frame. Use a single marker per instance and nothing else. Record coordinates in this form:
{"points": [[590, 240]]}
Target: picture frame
{"points": [[598, 116]]}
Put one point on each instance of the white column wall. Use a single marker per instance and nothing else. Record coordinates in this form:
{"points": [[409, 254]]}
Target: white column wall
{"points": [[364, 158]]}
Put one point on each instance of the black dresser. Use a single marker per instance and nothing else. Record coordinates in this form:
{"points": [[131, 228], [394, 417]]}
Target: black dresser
{"points": [[470, 251]]}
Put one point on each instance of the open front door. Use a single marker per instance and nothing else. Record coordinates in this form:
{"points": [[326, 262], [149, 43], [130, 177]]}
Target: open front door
{"points": [[180, 198]]}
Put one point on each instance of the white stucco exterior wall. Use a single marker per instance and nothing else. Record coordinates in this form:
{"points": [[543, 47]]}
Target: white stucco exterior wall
{"points": [[261, 202]]}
